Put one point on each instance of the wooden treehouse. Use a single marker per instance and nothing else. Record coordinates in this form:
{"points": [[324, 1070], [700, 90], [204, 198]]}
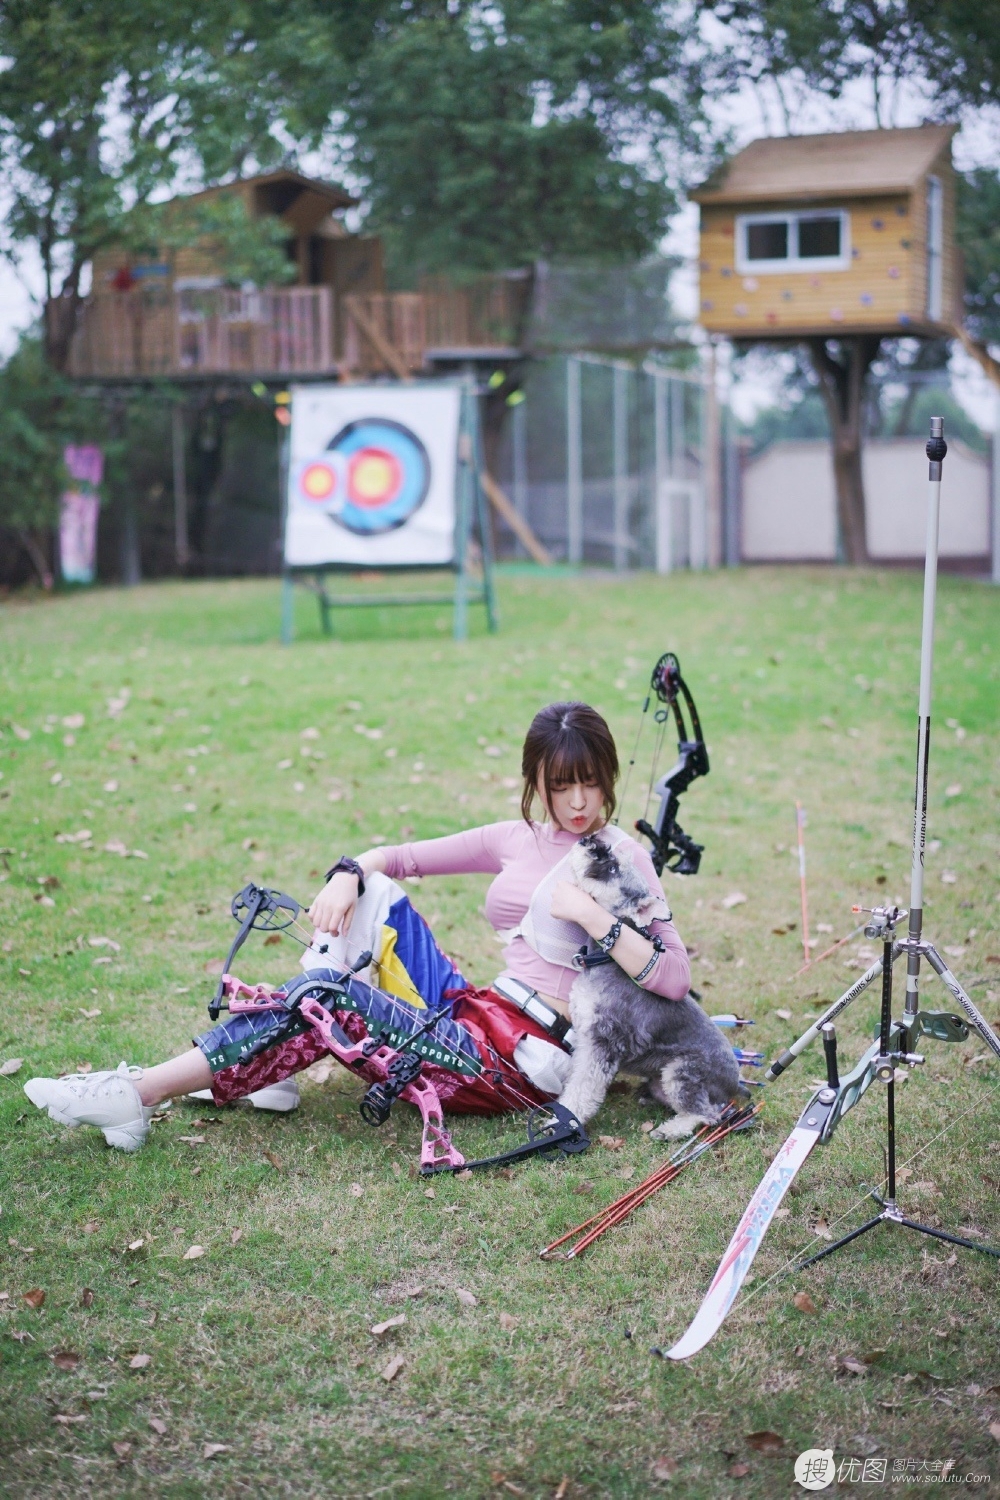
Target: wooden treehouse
{"points": [[172, 315], [832, 235]]}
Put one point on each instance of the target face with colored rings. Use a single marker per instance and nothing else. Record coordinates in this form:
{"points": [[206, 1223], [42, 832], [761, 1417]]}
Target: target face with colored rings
{"points": [[372, 478]]}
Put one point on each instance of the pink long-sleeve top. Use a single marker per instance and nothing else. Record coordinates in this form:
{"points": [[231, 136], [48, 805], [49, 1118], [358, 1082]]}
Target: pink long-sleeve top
{"points": [[520, 855]]}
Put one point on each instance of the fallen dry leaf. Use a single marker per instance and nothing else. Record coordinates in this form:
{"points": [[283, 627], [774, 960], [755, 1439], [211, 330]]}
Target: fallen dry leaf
{"points": [[194, 1252], [35, 1297], [105, 942], [739, 1471], [562, 1489], [192, 1140], [275, 1160], [67, 1421], [135, 1246], [822, 1229], [647, 1126], [319, 1071], [157, 1426], [273, 940], [214, 966], [89, 1015], [508, 1323], [765, 1442], [783, 1015], [851, 1365], [20, 1335], [393, 1368], [583, 1188], [612, 1142], [140, 1361], [86, 1297], [91, 1226], [12, 1065], [356, 1190], [467, 1299], [995, 1430], [664, 1468], [122, 1451], [65, 1359], [735, 898], [236, 1236], [379, 1328], [804, 1303], [212, 1450], [429, 1193]]}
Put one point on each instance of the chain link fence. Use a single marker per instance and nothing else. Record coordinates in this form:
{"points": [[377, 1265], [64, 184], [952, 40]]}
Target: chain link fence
{"points": [[605, 461]]}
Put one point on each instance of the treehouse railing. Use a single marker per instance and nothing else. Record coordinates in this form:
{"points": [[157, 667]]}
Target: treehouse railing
{"points": [[217, 331], [289, 331]]}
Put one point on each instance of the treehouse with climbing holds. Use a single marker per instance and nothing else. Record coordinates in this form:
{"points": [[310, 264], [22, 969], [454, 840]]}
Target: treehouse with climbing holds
{"points": [[836, 241]]}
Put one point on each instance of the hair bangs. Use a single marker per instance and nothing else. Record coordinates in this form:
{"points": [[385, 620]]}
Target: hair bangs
{"points": [[571, 760]]}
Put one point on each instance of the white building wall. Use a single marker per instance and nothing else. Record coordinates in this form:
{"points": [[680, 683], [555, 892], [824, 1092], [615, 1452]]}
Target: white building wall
{"points": [[789, 506]]}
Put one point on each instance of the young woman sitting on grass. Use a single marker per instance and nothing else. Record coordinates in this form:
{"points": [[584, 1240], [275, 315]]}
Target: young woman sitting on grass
{"points": [[490, 1055]]}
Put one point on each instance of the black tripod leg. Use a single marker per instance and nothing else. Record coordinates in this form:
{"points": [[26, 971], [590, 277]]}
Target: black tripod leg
{"points": [[953, 1239], [837, 1244]]}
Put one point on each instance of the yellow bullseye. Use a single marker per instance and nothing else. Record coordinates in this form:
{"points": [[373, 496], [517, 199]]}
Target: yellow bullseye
{"points": [[373, 477], [318, 481]]}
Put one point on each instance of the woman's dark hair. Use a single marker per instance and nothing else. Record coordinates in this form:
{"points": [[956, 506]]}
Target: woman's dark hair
{"points": [[568, 742]]}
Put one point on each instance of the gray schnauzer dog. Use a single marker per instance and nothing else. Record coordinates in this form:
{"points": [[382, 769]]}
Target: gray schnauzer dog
{"points": [[686, 1061]]}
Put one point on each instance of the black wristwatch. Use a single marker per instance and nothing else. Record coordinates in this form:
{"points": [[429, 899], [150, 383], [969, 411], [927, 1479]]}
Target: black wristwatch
{"points": [[610, 938], [352, 867]]}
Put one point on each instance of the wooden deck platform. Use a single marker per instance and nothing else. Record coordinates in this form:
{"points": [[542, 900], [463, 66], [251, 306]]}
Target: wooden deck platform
{"points": [[286, 332]]}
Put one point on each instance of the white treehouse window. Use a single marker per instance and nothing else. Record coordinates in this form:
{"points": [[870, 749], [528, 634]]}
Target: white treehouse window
{"points": [[816, 240], [935, 248]]}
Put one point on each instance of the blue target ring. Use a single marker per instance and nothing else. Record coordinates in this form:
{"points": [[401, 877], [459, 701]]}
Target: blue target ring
{"points": [[387, 475]]}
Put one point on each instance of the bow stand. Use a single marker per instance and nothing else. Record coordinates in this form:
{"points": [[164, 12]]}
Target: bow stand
{"points": [[894, 1050]]}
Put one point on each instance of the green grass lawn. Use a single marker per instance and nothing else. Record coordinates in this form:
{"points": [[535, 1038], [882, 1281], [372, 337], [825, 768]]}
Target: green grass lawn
{"points": [[315, 1227]]}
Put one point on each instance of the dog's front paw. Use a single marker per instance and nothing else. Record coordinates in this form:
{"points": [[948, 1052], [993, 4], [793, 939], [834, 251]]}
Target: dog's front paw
{"points": [[676, 1128]]}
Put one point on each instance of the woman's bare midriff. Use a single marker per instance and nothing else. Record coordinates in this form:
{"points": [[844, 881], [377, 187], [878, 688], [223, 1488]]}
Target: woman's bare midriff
{"points": [[562, 1006]]}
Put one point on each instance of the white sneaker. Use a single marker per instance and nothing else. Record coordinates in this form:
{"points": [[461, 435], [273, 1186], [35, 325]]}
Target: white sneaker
{"points": [[108, 1100], [278, 1097]]}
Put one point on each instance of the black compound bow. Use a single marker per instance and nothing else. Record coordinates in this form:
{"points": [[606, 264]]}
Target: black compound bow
{"points": [[672, 848]]}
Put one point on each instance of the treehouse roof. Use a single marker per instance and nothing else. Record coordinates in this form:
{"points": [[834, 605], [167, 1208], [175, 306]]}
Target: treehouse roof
{"points": [[859, 163], [287, 194]]}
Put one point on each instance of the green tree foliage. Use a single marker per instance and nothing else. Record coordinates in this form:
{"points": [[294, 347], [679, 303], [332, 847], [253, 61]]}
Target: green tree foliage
{"points": [[979, 238], [953, 46], [491, 136], [37, 417], [103, 102]]}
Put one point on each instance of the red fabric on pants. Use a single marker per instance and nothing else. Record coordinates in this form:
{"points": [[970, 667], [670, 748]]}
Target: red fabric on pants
{"points": [[496, 1026]]}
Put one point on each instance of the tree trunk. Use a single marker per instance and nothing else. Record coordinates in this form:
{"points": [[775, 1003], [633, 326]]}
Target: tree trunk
{"points": [[842, 368], [37, 551], [60, 320]]}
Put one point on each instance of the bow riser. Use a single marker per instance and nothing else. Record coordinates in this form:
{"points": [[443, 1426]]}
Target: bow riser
{"points": [[374, 1064]]}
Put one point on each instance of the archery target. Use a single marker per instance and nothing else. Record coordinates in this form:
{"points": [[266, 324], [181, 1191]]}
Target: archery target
{"points": [[372, 476]]}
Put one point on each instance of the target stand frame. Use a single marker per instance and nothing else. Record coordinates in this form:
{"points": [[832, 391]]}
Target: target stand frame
{"points": [[471, 524]]}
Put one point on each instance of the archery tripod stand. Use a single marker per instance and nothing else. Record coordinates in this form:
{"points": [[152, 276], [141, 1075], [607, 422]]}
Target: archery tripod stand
{"points": [[897, 1040]]}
